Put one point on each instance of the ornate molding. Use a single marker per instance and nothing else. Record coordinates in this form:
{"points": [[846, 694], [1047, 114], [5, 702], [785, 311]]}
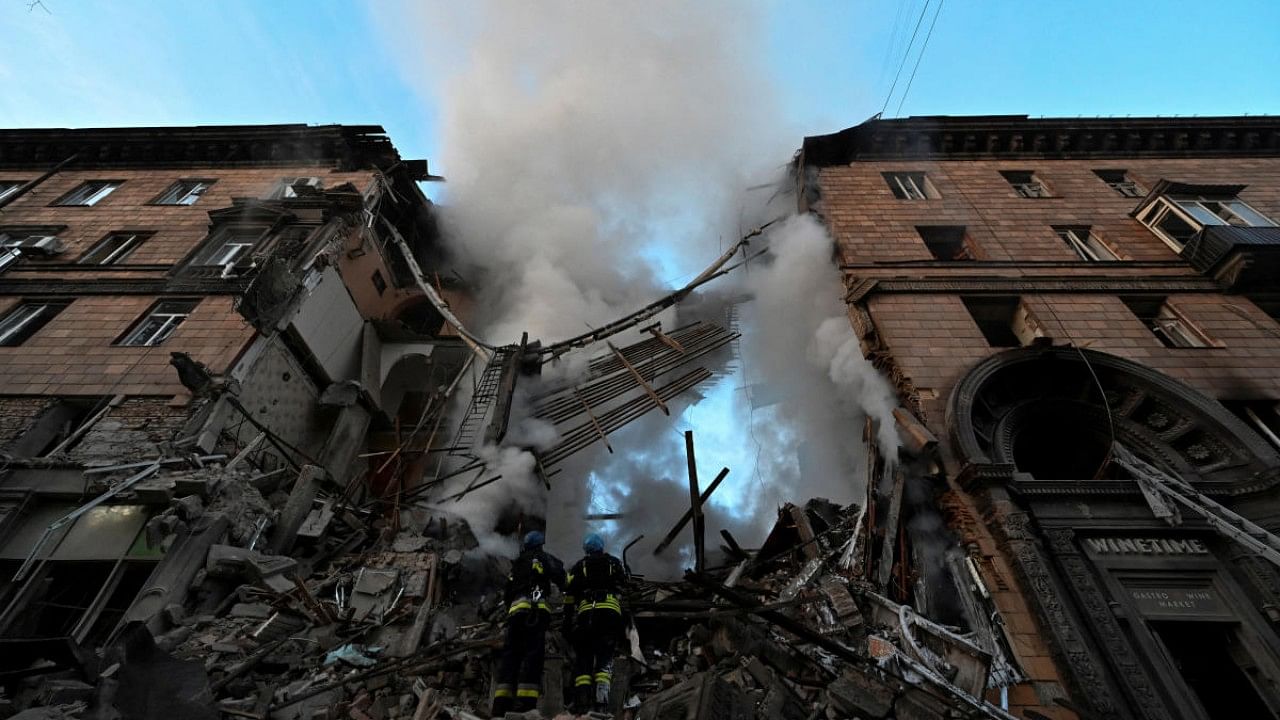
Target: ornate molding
{"points": [[1084, 669]]}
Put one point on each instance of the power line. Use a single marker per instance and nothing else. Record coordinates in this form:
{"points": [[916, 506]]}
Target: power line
{"points": [[923, 47], [906, 55]]}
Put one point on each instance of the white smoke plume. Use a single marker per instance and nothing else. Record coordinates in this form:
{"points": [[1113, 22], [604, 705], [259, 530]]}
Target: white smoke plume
{"points": [[597, 151]]}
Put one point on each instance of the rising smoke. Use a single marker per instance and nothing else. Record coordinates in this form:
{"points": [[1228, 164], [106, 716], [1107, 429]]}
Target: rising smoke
{"points": [[595, 153]]}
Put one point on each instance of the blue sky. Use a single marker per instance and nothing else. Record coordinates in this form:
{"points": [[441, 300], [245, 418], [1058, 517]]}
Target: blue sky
{"points": [[136, 62]]}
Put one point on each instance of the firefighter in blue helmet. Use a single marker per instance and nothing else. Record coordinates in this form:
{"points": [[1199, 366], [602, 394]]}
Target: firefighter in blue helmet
{"points": [[519, 681], [593, 621]]}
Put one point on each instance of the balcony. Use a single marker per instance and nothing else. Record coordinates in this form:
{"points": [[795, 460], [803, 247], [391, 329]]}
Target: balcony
{"points": [[1239, 258]]}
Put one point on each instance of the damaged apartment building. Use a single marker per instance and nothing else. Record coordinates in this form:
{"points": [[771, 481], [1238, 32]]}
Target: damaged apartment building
{"points": [[1083, 316]]}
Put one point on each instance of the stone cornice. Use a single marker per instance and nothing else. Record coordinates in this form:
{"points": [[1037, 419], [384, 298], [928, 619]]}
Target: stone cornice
{"points": [[1017, 137]]}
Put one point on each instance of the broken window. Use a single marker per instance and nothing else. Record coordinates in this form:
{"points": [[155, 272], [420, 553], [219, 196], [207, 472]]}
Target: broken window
{"points": [[184, 192], [59, 424], [1177, 219], [1166, 323], [230, 249], [1120, 181], [1086, 243], [948, 242], [292, 187], [159, 323], [910, 185], [9, 187], [112, 249], [1261, 415], [1004, 321], [26, 319], [89, 193], [1025, 183]]}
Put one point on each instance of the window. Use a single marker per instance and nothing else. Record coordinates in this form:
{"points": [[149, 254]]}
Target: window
{"points": [[9, 187], [1262, 415], [288, 187], [948, 242], [1086, 244], [379, 282], [1167, 324], [1177, 218], [112, 249], [26, 319], [1119, 181], [89, 193], [229, 249], [1004, 321], [1025, 183], [184, 192], [18, 242], [910, 185], [160, 323]]}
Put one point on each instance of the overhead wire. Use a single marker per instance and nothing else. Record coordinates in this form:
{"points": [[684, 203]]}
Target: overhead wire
{"points": [[924, 46], [906, 54]]}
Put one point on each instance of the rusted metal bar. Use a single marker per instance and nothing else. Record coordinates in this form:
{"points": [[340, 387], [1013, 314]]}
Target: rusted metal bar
{"points": [[688, 514], [640, 379], [656, 331], [592, 417]]}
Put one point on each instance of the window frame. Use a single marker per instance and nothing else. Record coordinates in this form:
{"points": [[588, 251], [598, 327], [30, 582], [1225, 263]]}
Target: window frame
{"points": [[175, 189], [1178, 205], [967, 248], [1169, 325], [1022, 188], [45, 311], [1084, 247], [135, 239], [164, 330], [9, 187], [222, 238], [11, 244], [917, 183], [284, 186], [110, 186]]}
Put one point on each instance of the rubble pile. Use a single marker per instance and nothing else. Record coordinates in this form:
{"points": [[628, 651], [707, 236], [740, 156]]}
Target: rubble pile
{"points": [[284, 599]]}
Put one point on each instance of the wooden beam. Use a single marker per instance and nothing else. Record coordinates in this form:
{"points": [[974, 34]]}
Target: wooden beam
{"points": [[656, 331], [885, 567], [688, 514], [653, 395], [695, 503], [592, 417]]}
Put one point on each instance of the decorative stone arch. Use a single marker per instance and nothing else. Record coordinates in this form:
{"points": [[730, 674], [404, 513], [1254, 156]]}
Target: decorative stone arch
{"points": [[1031, 427], [1000, 412]]}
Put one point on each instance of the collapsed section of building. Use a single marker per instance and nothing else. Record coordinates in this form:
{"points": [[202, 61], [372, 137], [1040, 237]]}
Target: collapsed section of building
{"points": [[241, 413]]}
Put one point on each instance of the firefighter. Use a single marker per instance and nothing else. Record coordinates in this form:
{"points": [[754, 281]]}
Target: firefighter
{"points": [[519, 681], [593, 621]]}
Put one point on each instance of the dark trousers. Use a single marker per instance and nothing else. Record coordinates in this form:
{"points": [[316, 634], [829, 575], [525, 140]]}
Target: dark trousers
{"points": [[595, 638], [523, 654]]}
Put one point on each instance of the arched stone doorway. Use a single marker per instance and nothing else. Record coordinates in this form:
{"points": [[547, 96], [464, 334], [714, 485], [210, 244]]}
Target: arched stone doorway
{"points": [[1117, 591]]}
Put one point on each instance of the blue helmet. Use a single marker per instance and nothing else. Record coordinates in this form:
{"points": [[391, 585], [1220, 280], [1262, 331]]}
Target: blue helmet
{"points": [[534, 539], [593, 543]]}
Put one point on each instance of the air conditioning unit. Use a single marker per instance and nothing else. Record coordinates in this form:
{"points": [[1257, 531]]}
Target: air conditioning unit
{"points": [[42, 245]]}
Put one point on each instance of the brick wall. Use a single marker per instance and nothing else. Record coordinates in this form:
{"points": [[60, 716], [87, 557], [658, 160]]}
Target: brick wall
{"points": [[178, 229], [133, 431], [74, 353], [934, 340], [17, 414]]}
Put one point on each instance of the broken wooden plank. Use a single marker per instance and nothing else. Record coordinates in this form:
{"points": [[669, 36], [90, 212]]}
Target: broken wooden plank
{"points": [[656, 331], [695, 503], [592, 417], [688, 514], [885, 567], [917, 438], [653, 395]]}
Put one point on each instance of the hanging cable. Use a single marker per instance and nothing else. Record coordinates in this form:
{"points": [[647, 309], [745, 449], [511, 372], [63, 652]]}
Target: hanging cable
{"points": [[924, 46], [906, 54]]}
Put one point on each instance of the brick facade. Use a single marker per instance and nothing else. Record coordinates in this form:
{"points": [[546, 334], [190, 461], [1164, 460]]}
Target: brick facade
{"points": [[907, 305]]}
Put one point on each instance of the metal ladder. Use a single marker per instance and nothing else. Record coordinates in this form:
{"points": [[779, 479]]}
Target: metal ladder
{"points": [[486, 391], [1159, 487]]}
